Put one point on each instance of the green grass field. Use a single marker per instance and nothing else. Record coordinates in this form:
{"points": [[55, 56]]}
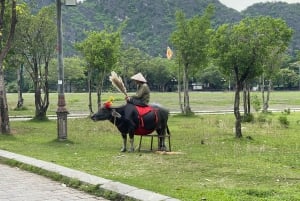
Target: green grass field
{"points": [[199, 101], [211, 163]]}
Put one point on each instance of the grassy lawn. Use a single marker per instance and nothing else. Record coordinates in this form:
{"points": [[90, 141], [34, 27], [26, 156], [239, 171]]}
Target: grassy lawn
{"points": [[199, 101], [212, 164]]}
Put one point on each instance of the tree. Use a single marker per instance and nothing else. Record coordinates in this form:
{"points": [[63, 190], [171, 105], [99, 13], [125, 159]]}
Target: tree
{"points": [[271, 67], [131, 60], [101, 51], [212, 78], [279, 37], [286, 79], [14, 67], [37, 44], [240, 50], [74, 73], [190, 41], [158, 73], [8, 21]]}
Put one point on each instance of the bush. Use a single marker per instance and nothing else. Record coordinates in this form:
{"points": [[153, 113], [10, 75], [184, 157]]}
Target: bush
{"points": [[256, 103], [248, 118], [20, 108], [264, 118], [283, 121], [286, 111], [12, 87]]}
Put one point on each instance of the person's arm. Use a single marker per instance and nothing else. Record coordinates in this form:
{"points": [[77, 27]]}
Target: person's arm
{"points": [[140, 92]]}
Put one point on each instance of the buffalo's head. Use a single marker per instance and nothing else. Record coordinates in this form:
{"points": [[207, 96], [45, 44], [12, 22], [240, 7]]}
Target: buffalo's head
{"points": [[102, 114], [105, 113]]}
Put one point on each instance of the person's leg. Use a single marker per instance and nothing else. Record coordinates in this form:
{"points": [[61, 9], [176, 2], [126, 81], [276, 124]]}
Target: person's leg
{"points": [[138, 102]]}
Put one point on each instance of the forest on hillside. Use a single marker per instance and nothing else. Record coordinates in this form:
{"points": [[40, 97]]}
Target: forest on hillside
{"points": [[149, 24]]}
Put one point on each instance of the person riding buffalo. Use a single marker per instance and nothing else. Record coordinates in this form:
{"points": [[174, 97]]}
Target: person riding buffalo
{"points": [[141, 98]]}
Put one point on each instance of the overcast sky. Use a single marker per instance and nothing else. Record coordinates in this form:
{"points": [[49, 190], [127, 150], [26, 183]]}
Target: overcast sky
{"points": [[243, 4]]}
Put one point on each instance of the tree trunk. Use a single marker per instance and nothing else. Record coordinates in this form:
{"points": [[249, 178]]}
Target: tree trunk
{"points": [[20, 87], [99, 97], [4, 121], [99, 89], [5, 128], [179, 89], [41, 87], [238, 126], [41, 103], [37, 92], [186, 99], [90, 91], [263, 93], [70, 86], [179, 97], [266, 100], [246, 100]]}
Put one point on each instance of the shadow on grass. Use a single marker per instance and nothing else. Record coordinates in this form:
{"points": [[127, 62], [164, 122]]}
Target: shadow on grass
{"points": [[57, 142], [188, 115], [39, 119], [7, 137]]}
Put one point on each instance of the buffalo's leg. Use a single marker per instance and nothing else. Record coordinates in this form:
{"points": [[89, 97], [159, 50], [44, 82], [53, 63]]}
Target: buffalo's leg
{"points": [[161, 140], [162, 146], [124, 137], [130, 124], [131, 140]]}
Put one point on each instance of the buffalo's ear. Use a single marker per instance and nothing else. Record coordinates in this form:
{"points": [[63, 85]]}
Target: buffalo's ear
{"points": [[114, 113]]}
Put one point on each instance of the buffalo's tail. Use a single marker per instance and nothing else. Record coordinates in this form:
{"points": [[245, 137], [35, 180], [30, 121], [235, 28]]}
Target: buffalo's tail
{"points": [[168, 130]]}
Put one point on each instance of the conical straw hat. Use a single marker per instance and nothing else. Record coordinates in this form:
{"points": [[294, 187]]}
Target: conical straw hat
{"points": [[139, 77]]}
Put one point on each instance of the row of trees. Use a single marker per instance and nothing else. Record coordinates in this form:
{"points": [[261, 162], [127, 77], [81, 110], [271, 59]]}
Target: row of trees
{"points": [[243, 53], [161, 73], [253, 48], [246, 51]]}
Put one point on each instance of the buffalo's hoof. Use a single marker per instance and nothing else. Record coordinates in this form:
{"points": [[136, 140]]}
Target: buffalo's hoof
{"points": [[123, 150], [162, 149], [131, 150]]}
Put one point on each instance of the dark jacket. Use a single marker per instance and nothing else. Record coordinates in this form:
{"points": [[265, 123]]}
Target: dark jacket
{"points": [[142, 96]]}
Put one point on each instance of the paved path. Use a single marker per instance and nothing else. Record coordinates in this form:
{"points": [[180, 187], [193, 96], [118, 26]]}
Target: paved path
{"points": [[19, 185]]}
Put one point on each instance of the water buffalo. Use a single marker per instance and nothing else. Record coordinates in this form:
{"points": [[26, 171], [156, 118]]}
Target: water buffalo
{"points": [[155, 118]]}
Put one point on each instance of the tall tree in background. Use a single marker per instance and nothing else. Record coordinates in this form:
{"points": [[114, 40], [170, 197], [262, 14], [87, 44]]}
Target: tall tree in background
{"points": [[190, 40], [101, 52], [37, 44], [278, 40], [14, 65], [271, 68], [8, 21], [159, 73], [241, 50], [74, 73], [131, 61]]}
